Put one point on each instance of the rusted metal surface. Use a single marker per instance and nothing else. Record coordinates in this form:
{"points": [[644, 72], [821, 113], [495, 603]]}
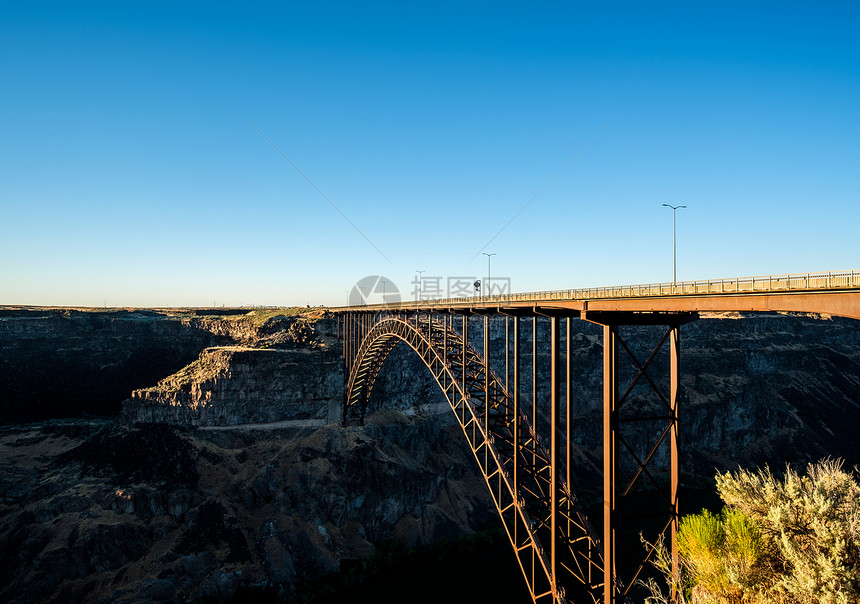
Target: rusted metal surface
{"points": [[618, 490], [557, 550], [610, 464]]}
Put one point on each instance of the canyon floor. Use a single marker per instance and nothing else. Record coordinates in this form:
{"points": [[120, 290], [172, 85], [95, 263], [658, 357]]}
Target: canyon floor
{"points": [[99, 512]]}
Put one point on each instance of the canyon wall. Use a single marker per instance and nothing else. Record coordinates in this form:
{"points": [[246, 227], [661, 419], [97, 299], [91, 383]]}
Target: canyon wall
{"points": [[142, 510], [762, 388], [235, 385], [66, 363]]}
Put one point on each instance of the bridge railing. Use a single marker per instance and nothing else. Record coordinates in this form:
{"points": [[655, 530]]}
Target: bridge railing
{"points": [[767, 283]]}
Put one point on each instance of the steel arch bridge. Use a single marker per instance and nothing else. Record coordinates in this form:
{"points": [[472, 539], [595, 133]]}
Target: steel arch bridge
{"points": [[524, 453]]}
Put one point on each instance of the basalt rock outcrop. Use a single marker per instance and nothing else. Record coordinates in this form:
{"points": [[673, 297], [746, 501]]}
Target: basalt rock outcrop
{"points": [[65, 363], [95, 511], [236, 385], [289, 369], [68, 363]]}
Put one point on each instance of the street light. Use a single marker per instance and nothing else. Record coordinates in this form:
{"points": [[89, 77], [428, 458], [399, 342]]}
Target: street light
{"points": [[489, 284], [674, 249], [383, 289], [419, 284]]}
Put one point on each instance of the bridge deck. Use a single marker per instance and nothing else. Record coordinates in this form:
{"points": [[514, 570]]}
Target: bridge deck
{"points": [[833, 293]]}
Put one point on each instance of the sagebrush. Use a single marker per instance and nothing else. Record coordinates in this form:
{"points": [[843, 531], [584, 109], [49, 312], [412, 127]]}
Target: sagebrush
{"points": [[793, 539]]}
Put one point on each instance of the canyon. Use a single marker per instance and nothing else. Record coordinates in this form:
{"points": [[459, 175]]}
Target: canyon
{"points": [[178, 455]]}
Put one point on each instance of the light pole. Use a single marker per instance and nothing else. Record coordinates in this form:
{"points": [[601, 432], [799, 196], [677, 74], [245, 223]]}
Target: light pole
{"points": [[383, 289], [419, 284], [489, 285], [674, 249]]}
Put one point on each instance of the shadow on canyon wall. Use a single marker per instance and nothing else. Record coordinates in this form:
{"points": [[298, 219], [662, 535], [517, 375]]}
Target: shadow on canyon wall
{"points": [[94, 509]]}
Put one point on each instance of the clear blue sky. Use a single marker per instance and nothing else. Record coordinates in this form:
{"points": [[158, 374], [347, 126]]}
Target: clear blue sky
{"points": [[131, 175]]}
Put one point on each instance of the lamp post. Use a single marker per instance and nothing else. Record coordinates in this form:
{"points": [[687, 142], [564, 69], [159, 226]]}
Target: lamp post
{"points": [[489, 285], [419, 284], [383, 289], [674, 248]]}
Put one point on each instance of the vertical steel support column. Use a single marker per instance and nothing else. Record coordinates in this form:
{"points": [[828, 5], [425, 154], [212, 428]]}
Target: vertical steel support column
{"points": [[487, 392], [507, 351], [555, 400], [349, 340], [568, 420], [465, 345], [445, 342], [534, 387], [516, 418], [347, 361], [445, 353], [609, 461], [674, 474]]}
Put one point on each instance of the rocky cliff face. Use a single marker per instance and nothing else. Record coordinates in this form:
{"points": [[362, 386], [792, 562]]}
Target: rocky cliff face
{"points": [[288, 370], [100, 512], [773, 389], [260, 368], [63, 363], [91, 511], [234, 385]]}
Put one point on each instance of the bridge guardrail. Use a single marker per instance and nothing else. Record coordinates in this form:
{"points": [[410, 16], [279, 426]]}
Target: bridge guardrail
{"points": [[764, 284]]}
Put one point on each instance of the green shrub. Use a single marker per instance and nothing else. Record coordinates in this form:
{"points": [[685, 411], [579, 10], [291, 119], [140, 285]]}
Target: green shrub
{"points": [[794, 540]]}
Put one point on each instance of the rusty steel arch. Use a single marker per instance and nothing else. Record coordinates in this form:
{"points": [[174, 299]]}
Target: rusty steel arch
{"points": [[557, 550]]}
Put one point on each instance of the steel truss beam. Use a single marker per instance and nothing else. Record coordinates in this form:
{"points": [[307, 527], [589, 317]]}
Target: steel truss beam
{"points": [[556, 548], [560, 555], [627, 559]]}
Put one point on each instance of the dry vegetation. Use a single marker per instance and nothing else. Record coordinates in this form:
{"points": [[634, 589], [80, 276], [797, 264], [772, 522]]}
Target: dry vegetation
{"points": [[793, 539]]}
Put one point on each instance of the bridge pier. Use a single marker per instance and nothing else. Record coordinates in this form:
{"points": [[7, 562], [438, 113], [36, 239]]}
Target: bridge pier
{"points": [[617, 491]]}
